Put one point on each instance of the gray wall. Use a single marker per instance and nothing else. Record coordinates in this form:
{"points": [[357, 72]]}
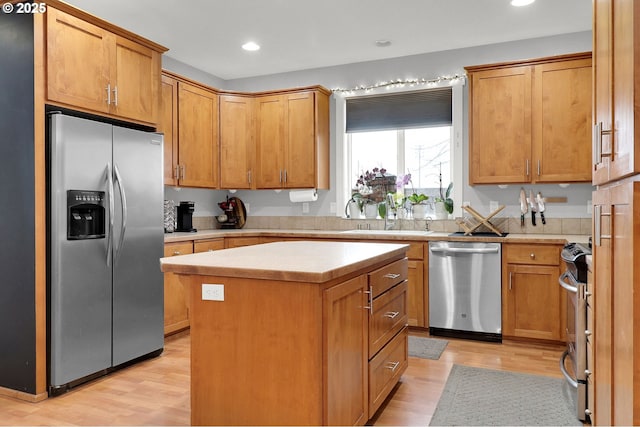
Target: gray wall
{"points": [[431, 65]]}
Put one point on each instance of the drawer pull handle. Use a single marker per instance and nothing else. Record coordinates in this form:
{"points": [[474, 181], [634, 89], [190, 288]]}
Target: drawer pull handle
{"points": [[392, 365], [391, 314], [176, 252], [391, 275], [369, 300]]}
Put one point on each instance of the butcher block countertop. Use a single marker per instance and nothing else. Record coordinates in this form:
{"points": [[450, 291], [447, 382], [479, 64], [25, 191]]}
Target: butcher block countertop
{"points": [[296, 261], [399, 235]]}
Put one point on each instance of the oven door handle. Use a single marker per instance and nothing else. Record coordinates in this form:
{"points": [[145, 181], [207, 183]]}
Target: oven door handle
{"points": [[573, 288], [568, 377]]}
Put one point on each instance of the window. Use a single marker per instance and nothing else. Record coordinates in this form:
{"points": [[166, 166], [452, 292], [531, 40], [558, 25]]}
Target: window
{"points": [[407, 132], [422, 152]]}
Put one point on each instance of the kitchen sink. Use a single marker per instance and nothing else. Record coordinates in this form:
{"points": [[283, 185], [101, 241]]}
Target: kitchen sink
{"points": [[405, 232]]}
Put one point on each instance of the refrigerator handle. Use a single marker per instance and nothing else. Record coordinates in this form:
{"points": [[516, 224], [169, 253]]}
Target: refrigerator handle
{"points": [[111, 212], [124, 211]]}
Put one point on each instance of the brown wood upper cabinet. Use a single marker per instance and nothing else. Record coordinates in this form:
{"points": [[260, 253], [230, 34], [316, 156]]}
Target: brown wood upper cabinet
{"points": [[292, 140], [93, 69], [189, 121], [236, 141], [615, 79], [534, 116]]}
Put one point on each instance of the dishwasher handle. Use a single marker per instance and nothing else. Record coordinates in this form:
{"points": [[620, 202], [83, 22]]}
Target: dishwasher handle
{"points": [[492, 250]]}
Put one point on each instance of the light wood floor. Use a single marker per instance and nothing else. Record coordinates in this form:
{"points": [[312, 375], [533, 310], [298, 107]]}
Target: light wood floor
{"points": [[156, 391]]}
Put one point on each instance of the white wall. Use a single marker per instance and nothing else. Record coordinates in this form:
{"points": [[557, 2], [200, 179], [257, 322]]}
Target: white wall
{"points": [[431, 65]]}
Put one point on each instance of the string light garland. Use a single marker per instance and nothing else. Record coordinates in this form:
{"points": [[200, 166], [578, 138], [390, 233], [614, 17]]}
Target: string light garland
{"points": [[400, 83]]}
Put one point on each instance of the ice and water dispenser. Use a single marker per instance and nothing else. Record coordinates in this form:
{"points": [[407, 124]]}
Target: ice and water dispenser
{"points": [[85, 215]]}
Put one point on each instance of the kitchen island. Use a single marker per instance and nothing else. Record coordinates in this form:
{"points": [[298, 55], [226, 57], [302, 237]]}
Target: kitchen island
{"points": [[294, 333]]}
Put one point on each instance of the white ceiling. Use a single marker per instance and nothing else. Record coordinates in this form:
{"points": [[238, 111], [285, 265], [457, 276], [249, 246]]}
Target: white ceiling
{"points": [[304, 34]]}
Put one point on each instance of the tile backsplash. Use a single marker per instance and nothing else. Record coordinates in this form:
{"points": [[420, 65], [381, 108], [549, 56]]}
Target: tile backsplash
{"points": [[505, 224]]}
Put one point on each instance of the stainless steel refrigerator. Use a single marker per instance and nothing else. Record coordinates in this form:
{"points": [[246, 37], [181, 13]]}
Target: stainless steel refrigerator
{"points": [[105, 239]]}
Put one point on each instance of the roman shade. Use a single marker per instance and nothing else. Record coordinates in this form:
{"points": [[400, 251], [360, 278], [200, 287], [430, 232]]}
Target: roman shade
{"points": [[426, 108]]}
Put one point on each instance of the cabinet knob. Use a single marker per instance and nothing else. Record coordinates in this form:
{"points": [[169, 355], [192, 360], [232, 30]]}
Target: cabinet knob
{"points": [[532, 255], [587, 333], [588, 412], [587, 372], [176, 252]]}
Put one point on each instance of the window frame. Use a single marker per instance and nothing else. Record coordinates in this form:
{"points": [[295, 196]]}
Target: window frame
{"points": [[343, 151]]}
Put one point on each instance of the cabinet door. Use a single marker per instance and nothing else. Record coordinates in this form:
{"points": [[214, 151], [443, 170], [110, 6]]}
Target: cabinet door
{"points": [[198, 136], [415, 305], [533, 306], [602, 75], [346, 344], [270, 137], [168, 125], [135, 81], [78, 57], [176, 306], [500, 126], [236, 141], [626, 60], [562, 122], [602, 307], [300, 148]]}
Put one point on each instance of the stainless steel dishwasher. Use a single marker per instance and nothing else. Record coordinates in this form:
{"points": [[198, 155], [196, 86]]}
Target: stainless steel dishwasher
{"points": [[465, 290]]}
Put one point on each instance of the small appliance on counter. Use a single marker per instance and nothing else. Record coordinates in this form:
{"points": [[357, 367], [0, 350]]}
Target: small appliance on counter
{"points": [[185, 217], [234, 213], [169, 216]]}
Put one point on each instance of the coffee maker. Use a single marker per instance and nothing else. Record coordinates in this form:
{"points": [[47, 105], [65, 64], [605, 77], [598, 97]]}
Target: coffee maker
{"points": [[185, 217]]}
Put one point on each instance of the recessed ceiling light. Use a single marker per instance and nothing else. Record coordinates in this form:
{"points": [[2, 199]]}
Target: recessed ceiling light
{"points": [[521, 2], [251, 46], [383, 43]]}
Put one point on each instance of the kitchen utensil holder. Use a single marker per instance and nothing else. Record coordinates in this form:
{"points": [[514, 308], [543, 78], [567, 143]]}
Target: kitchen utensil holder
{"points": [[479, 220]]}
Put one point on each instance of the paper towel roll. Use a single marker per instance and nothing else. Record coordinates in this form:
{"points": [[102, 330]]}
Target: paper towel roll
{"points": [[297, 196]]}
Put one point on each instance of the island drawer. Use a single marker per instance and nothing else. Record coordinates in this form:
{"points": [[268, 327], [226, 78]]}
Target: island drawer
{"points": [[532, 254], [386, 369], [388, 316], [388, 276]]}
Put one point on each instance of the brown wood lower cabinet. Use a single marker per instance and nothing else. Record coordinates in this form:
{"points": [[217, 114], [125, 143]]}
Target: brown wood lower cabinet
{"points": [[287, 352], [176, 310], [533, 304], [176, 303]]}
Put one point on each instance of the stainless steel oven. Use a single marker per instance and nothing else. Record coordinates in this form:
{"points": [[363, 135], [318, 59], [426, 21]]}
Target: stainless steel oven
{"points": [[573, 362]]}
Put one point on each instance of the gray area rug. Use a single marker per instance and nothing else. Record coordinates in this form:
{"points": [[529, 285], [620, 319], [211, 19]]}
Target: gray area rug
{"points": [[426, 348], [475, 396]]}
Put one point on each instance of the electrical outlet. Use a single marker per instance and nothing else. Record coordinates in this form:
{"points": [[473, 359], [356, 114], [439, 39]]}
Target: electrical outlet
{"points": [[212, 292], [589, 207], [246, 208], [493, 206], [332, 207], [305, 207]]}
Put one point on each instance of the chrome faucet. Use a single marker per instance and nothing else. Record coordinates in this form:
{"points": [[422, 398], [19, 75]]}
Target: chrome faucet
{"points": [[390, 210]]}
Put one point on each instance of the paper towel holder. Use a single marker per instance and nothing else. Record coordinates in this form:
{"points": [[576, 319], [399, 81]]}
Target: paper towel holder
{"points": [[303, 195]]}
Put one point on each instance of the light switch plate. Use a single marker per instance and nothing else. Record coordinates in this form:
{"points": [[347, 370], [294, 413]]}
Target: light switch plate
{"points": [[305, 207], [212, 292]]}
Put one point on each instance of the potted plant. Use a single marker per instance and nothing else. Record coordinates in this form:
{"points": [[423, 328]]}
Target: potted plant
{"points": [[418, 201], [371, 186], [444, 203]]}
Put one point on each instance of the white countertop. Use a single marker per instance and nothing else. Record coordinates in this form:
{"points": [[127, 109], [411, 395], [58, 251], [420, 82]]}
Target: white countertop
{"points": [[299, 261], [392, 235]]}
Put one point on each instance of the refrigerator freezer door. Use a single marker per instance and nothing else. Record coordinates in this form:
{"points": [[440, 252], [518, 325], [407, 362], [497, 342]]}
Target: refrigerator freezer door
{"points": [[80, 279], [138, 298]]}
